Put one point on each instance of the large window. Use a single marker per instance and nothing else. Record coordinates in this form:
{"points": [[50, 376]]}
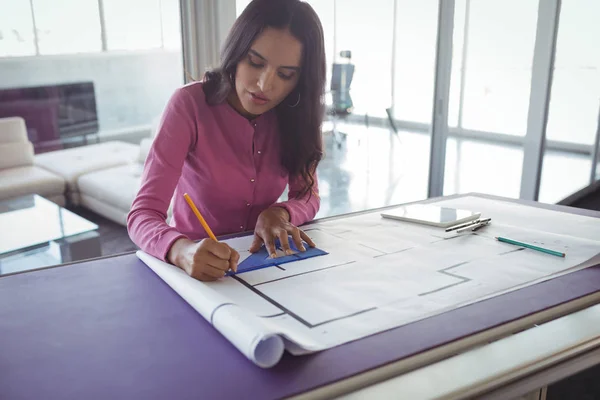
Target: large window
{"points": [[170, 24], [562, 175], [129, 50], [126, 33], [67, 26], [477, 166], [367, 31], [16, 29], [499, 46], [573, 113], [489, 91], [40, 27], [574, 99], [325, 9], [414, 67], [393, 45]]}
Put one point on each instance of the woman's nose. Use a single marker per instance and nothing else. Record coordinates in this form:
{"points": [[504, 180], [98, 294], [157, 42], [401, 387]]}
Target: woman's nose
{"points": [[265, 82]]}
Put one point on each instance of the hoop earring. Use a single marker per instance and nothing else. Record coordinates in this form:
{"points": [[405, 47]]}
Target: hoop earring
{"points": [[297, 102]]}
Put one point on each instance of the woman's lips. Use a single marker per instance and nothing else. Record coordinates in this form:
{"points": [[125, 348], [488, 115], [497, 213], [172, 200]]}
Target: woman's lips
{"points": [[258, 98]]}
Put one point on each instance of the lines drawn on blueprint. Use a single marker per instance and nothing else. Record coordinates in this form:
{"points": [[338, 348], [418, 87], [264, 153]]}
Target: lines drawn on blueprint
{"points": [[419, 266]]}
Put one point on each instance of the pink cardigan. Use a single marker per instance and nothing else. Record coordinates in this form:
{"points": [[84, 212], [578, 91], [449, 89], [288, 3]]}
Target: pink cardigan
{"points": [[229, 166]]}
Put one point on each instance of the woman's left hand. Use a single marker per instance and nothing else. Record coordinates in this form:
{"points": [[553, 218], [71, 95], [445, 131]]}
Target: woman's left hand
{"points": [[274, 223]]}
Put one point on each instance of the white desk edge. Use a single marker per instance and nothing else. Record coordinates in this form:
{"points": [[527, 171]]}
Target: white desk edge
{"points": [[486, 368], [405, 378]]}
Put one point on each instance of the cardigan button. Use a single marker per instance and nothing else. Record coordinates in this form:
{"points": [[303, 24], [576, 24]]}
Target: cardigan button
{"points": [[252, 180]]}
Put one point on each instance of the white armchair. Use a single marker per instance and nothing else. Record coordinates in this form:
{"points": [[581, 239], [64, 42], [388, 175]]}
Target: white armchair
{"points": [[18, 174]]}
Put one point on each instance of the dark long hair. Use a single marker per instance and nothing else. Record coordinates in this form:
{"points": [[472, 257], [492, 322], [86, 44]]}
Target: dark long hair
{"points": [[299, 126]]}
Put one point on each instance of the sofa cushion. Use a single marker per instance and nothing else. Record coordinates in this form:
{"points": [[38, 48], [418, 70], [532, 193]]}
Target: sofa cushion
{"points": [[111, 192], [106, 210], [16, 154], [73, 163], [13, 129], [115, 186], [28, 180]]}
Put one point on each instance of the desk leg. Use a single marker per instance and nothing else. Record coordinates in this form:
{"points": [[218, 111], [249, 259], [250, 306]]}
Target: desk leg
{"points": [[79, 247]]}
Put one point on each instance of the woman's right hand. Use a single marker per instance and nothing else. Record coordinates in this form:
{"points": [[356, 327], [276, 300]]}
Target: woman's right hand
{"points": [[206, 260]]}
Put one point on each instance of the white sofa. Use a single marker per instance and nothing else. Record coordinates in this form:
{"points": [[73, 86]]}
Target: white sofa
{"points": [[18, 174], [110, 192], [71, 164], [103, 177]]}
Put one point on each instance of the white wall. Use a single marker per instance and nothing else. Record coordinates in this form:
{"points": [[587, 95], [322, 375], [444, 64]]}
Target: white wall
{"points": [[132, 88]]}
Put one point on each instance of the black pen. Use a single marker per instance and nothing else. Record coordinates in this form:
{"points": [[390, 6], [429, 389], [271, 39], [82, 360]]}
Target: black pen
{"points": [[474, 222], [475, 227]]}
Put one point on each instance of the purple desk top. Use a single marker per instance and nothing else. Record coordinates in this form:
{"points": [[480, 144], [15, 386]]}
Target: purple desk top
{"points": [[111, 328]]}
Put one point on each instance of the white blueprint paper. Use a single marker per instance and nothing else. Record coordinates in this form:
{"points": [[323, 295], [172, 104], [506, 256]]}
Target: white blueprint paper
{"points": [[380, 274]]}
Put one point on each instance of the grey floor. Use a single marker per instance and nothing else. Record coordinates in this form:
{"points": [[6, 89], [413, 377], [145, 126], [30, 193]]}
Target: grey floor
{"points": [[375, 167]]}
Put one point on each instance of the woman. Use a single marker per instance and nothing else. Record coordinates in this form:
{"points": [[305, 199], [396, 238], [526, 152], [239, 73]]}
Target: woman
{"points": [[234, 141]]}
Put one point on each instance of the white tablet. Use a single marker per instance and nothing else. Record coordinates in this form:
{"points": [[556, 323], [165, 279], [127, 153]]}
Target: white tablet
{"points": [[430, 214]]}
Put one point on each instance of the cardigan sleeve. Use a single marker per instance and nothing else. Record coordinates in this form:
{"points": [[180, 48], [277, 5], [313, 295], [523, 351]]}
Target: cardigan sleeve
{"points": [[301, 209], [146, 221]]}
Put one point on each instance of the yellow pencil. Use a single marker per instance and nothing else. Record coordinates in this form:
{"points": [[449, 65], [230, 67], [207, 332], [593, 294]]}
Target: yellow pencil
{"points": [[199, 216]]}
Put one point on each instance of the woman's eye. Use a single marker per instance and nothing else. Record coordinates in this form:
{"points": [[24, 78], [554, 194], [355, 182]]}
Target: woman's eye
{"points": [[253, 64], [285, 77]]}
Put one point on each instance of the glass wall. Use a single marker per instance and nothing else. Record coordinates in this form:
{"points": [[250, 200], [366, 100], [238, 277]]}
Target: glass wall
{"points": [[126, 33], [499, 42], [57, 32], [325, 9], [574, 100], [414, 66], [355, 31], [573, 113], [16, 29], [393, 47], [489, 91], [131, 65]]}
